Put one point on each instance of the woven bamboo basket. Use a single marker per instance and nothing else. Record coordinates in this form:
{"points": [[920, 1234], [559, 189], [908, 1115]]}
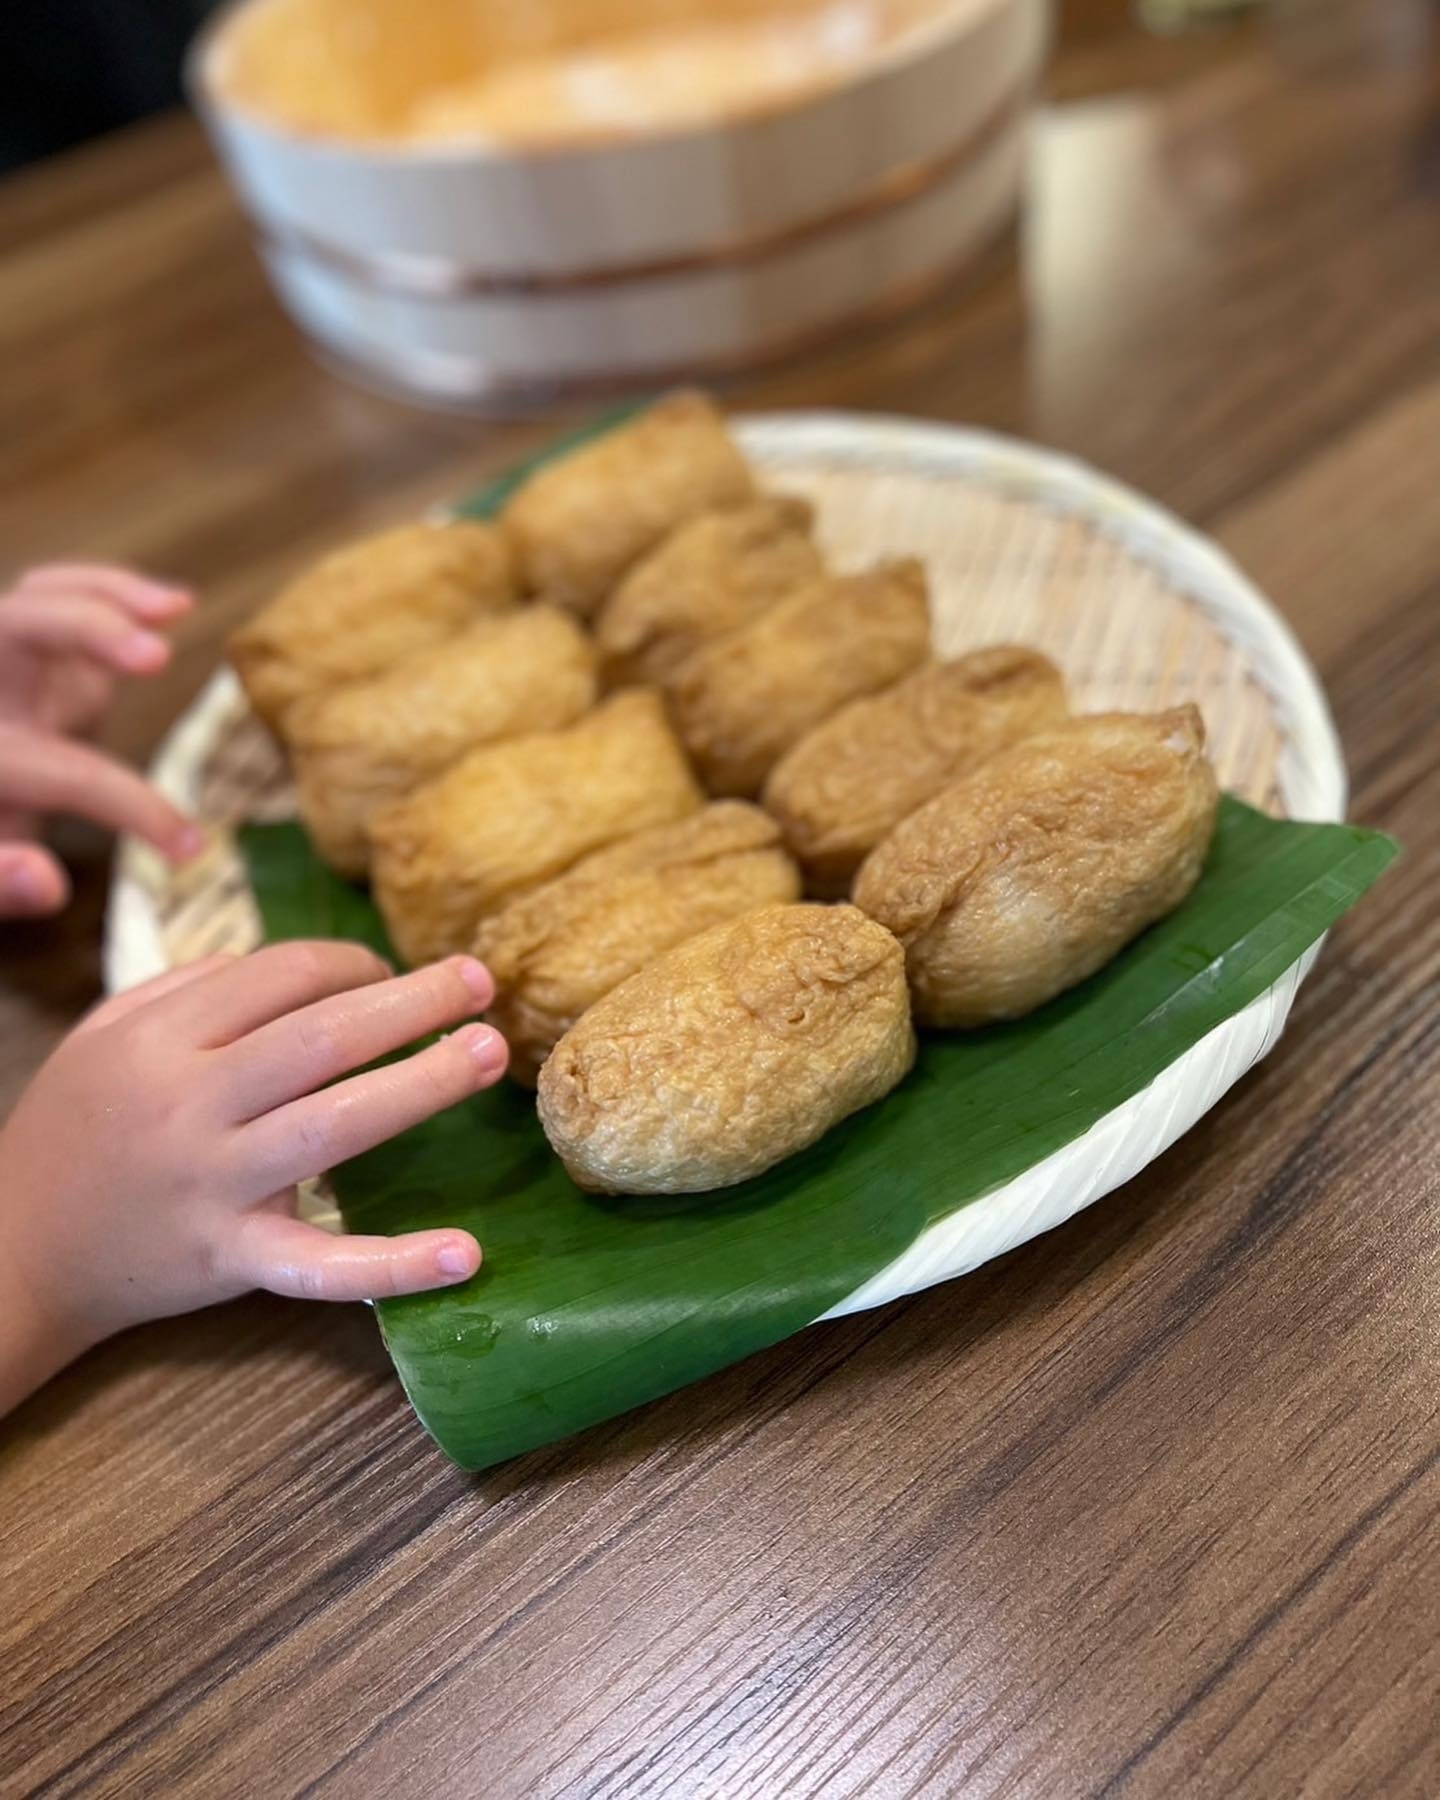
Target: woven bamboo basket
{"points": [[1021, 546]]}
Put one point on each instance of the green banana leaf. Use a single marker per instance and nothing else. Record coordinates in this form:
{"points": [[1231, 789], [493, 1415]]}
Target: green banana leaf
{"points": [[586, 1307]]}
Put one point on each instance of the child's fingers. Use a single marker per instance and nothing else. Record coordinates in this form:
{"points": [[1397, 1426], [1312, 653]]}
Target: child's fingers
{"points": [[308, 1049], [140, 595], [312, 1135], [62, 624], [118, 1006], [287, 1257], [46, 774], [33, 885], [270, 983]]}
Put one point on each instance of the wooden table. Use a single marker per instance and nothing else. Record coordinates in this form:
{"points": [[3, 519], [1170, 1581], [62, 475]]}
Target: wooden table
{"points": [[1149, 1507]]}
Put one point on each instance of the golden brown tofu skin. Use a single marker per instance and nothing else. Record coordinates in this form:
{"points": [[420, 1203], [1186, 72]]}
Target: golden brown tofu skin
{"points": [[1029, 875], [710, 576], [579, 523], [512, 815], [556, 951], [740, 702], [365, 606], [859, 772], [356, 749], [732, 1052]]}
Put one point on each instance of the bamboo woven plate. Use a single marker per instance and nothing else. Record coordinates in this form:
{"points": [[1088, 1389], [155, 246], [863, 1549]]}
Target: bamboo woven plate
{"points": [[1022, 546]]}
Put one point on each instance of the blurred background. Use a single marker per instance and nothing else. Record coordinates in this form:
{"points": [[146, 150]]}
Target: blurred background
{"points": [[72, 69]]}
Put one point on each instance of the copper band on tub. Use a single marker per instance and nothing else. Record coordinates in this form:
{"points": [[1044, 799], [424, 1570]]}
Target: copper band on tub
{"points": [[465, 382], [432, 278]]}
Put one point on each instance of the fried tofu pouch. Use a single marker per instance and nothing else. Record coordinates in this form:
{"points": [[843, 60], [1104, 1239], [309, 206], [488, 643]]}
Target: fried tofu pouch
{"points": [[732, 1052], [556, 951], [709, 576], [355, 749], [512, 815], [577, 524], [365, 606], [858, 773], [1029, 875], [740, 702]]}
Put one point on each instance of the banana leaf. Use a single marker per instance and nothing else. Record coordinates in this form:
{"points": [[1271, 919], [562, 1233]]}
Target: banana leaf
{"points": [[586, 1307]]}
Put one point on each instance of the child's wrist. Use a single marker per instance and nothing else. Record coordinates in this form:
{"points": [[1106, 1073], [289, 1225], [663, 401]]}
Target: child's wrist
{"points": [[38, 1337], [33, 1347]]}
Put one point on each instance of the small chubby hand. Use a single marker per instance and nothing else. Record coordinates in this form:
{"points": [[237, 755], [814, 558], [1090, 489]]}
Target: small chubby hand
{"points": [[151, 1166], [68, 633]]}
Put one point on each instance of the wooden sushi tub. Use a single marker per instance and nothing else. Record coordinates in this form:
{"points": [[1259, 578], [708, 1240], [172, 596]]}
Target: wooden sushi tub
{"points": [[512, 252]]}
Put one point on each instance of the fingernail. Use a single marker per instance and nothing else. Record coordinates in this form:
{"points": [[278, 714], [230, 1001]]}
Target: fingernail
{"points": [[486, 1045], [457, 1259], [24, 885], [190, 842], [142, 651], [477, 978]]}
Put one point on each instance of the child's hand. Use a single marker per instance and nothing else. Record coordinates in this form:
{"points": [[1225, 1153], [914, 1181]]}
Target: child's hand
{"points": [[67, 634], [151, 1165]]}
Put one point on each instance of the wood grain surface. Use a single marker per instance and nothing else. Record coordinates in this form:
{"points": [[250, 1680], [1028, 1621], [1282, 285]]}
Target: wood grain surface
{"points": [[1150, 1507]]}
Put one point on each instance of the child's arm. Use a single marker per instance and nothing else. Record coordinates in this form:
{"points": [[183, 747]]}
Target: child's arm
{"points": [[150, 1167], [67, 634]]}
